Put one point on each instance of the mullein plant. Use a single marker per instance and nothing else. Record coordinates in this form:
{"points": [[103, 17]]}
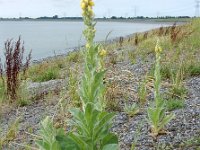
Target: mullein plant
{"points": [[92, 81], [91, 124], [157, 111]]}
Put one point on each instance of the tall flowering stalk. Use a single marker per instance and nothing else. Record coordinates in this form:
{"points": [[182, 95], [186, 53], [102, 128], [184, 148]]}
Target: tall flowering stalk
{"points": [[157, 75], [92, 82], [157, 112], [92, 124]]}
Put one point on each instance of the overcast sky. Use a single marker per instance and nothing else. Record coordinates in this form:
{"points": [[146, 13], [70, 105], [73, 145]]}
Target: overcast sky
{"points": [[37, 8]]}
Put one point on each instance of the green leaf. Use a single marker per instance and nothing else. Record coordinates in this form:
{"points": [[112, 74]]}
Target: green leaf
{"points": [[110, 139], [111, 147], [79, 141], [48, 134], [166, 120], [103, 123], [66, 143], [79, 121]]}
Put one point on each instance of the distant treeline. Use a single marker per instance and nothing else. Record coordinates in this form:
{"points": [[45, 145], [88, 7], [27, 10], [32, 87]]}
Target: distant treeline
{"points": [[143, 17], [104, 18]]}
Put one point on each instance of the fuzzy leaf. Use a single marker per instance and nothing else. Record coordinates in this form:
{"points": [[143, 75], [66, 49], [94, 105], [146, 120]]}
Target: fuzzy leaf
{"points": [[111, 147]]}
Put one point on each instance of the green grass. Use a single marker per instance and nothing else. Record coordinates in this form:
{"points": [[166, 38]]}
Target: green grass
{"points": [[44, 72], [178, 92], [173, 104], [46, 75], [132, 57], [53, 69], [185, 47], [2, 92], [194, 70]]}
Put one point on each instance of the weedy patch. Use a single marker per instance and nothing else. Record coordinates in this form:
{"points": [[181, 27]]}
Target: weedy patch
{"points": [[10, 135], [44, 72], [173, 104], [131, 110], [75, 57], [193, 69], [132, 56]]}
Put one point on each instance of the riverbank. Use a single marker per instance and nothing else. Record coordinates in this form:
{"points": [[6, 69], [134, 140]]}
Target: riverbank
{"points": [[129, 63]]}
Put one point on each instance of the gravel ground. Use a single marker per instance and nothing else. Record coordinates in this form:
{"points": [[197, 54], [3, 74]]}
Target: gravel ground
{"points": [[184, 127]]}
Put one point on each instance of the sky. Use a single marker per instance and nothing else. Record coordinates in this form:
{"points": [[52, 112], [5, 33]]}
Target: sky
{"points": [[103, 8]]}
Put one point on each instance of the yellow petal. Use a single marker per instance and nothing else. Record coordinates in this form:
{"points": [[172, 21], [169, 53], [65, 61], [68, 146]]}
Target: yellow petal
{"points": [[103, 53], [91, 3], [83, 6]]}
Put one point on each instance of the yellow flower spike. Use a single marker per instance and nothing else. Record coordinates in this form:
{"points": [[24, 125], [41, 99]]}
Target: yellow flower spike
{"points": [[102, 53], [83, 6]]}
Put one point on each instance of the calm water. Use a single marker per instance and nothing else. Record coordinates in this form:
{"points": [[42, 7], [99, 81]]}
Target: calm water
{"points": [[46, 38]]}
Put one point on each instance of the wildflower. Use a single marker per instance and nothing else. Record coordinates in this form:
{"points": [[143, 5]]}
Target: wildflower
{"points": [[158, 49], [87, 45], [102, 53], [86, 6], [83, 5], [91, 3]]}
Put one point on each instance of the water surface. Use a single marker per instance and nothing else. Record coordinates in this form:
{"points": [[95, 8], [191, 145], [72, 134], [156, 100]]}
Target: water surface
{"points": [[47, 38]]}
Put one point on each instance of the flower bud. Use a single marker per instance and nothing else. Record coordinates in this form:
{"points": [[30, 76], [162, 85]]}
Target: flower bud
{"points": [[87, 45], [91, 3], [102, 53], [158, 49], [83, 5]]}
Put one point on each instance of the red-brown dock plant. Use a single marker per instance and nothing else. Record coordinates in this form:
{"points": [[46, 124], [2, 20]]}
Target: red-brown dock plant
{"points": [[145, 36], [121, 40], [174, 33], [161, 31], [13, 65], [136, 39]]}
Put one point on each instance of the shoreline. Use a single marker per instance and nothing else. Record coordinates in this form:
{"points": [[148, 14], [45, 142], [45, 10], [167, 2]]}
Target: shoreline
{"points": [[107, 42]]}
